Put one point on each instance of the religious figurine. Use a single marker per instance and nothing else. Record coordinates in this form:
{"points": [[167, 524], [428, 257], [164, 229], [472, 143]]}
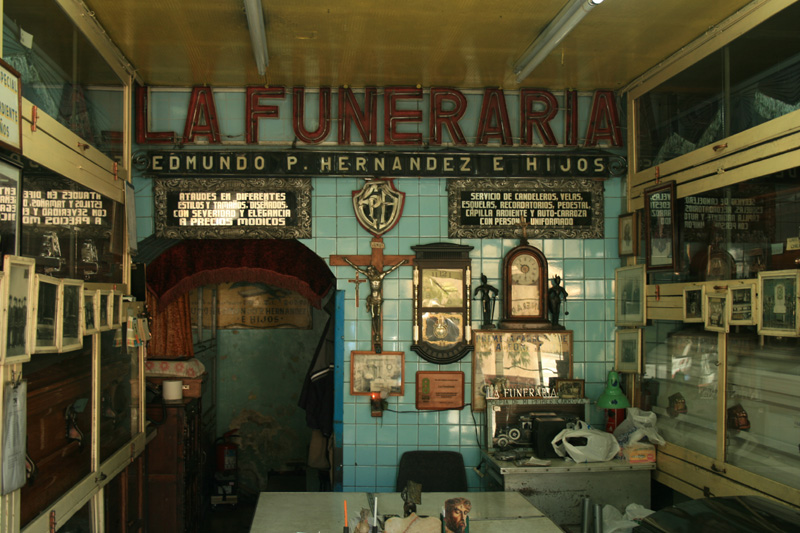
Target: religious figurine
{"points": [[555, 295], [488, 296], [375, 296]]}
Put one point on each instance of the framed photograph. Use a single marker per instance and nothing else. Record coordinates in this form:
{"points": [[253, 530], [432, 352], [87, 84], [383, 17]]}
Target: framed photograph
{"points": [[743, 304], [18, 305], [660, 235], [715, 312], [104, 310], [693, 303], [48, 310], [116, 309], [518, 363], [778, 312], [628, 355], [91, 300], [629, 297], [70, 336], [629, 234], [377, 372], [569, 388]]}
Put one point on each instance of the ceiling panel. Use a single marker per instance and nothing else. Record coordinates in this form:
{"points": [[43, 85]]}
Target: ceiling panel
{"points": [[459, 43]]}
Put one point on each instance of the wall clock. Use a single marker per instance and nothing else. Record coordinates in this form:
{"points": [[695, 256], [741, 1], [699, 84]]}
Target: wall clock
{"points": [[524, 288], [442, 277]]}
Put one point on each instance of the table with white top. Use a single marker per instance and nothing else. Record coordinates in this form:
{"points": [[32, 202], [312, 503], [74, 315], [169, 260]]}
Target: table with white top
{"points": [[323, 512], [560, 487]]}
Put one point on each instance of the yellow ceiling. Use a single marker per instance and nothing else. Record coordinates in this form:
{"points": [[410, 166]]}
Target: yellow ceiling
{"points": [[459, 43]]}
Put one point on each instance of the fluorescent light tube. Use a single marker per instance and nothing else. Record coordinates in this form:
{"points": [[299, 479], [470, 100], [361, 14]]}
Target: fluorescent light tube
{"points": [[258, 33], [566, 19]]}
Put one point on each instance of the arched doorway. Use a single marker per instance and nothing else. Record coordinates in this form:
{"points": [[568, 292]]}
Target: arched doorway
{"points": [[259, 374]]}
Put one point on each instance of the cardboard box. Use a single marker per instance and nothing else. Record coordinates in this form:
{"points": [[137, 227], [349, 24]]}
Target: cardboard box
{"points": [[640, 453]]}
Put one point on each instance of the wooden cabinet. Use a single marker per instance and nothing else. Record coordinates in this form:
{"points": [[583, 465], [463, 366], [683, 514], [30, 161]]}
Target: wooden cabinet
{"points": [[174, 467]]}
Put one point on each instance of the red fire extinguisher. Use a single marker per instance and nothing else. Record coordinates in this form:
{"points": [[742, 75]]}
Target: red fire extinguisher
{"points": [[227, 451]]}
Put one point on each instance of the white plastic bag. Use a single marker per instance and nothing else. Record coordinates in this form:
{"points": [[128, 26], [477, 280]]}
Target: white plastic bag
{"points": [[585, 445], [638, 425]]}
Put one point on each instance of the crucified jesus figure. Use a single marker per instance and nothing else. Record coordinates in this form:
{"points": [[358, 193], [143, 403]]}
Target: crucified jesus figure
{"points": [[375, 296]]}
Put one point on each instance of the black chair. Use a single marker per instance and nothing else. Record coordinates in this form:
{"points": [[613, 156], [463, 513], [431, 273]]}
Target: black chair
{"points": [[437, 471]]}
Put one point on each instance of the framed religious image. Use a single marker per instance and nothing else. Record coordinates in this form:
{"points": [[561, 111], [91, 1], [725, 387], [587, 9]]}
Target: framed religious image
{"points": [[569, 388], [71, 329], [377, 372], [48, 309], [91, 299], [629, 234], [660, 235], [715, 312], [693, 303], [518, 363], [104, 310], [743, 304], [629, 296], [18, 305], [628, 354], [778, 308]]}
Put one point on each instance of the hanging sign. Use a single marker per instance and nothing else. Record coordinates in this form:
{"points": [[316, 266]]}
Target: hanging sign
{"points": [[561, 209], [260, 306]]}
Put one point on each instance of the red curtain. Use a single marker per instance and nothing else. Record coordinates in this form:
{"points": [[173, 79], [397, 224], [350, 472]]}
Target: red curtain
{"points": [[171, 328]]}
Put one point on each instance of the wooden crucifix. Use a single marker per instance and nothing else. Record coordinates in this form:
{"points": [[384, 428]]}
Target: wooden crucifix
{"points": [[375, 274]]}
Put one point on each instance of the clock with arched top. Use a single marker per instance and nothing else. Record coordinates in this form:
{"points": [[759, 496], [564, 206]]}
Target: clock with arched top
{"points": [[524, 288]]}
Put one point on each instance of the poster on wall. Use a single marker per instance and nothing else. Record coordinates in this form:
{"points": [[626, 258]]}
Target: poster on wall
{"points": [[519, 364], [551, 208], [232, 208], [260, 306]]}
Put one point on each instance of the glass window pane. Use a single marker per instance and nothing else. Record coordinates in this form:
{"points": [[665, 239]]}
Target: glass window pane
{"points": [[763, 395], [681, 362]]}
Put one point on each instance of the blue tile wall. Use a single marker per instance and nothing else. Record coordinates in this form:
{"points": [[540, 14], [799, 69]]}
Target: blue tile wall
{"points": [[372, 446]]}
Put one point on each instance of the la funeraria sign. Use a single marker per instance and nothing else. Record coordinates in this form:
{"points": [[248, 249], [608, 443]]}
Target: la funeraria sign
{"points": [[407, 152]]}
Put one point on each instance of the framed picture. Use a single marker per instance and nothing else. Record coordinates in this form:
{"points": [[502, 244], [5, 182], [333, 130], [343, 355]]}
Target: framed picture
{"points": [[778, 312], [569, 388], [116, 309], [17, 301], [715, 312], [743, 304], [629, 234], [47, 313], [693, 303], [104, 310], [660, 235], [70, 336], [518, 363], [377, 372], [629, 297], [439, 390], [91, 300], [628, 355]]}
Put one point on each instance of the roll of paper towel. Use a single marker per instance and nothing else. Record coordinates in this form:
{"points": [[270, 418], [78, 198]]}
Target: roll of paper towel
{"points": [[172, 389]]}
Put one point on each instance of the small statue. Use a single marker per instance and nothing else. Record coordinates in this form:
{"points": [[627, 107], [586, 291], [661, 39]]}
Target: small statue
{"points": [[363, 523], [555, 295], [488, 296]]}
